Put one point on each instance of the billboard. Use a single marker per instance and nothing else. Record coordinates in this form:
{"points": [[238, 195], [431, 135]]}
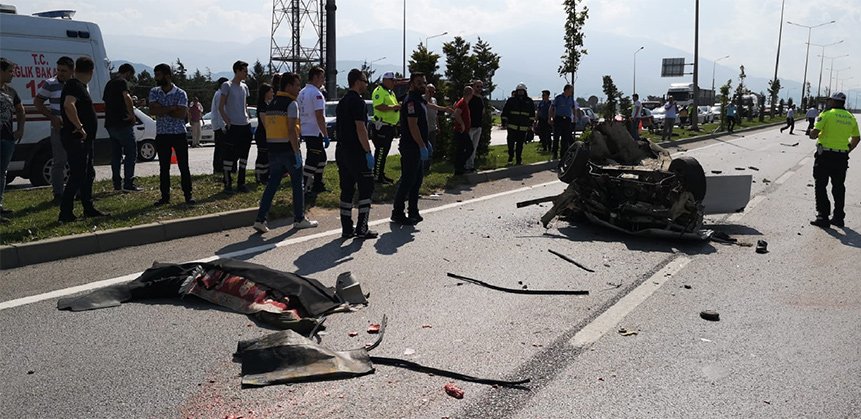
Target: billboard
{"points": [[673, 67]]}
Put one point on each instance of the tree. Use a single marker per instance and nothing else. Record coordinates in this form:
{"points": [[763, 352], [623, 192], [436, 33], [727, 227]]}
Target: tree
{"points": [[459, 66], [486, 64], [179, 72], [613, 95], [426, 62], [806, 98], [773, 91], [573, 38], [739, 93], [255, 79], [724, 101]]}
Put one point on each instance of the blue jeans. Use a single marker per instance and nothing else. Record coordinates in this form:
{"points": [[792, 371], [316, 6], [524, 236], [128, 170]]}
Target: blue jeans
{"points": [[281, 163], [123, 143], [6, 150]]}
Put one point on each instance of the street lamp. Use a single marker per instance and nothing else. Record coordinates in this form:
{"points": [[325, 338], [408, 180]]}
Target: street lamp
{"points": [[432, 37], [714, 64], [634, 89], [836, 77], [822, 62], [404, 74], [832, 73], [371, 64], [807, 54]]}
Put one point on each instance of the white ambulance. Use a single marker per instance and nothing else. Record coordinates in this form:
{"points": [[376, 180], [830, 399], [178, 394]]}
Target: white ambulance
{"points": [[34, 43]]}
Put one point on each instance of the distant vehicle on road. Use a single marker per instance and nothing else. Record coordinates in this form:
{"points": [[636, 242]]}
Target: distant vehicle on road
{"points": [[715, 112]]}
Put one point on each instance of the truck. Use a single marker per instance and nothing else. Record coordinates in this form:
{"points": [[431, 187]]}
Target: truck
{"points": [[33, 44], [683, 93]]}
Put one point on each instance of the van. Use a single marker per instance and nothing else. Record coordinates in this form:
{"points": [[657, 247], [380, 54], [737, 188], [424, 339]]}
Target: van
{"points": [[34, 43]]}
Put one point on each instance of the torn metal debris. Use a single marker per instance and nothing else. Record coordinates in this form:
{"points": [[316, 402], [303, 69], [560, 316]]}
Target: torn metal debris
{"points": [[567, 259], [518, 291]]}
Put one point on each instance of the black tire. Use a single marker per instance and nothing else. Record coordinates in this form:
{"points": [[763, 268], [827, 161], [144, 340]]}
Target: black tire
{"points": [[146, 150], [691, 175], [575, 163], [40, 168]]}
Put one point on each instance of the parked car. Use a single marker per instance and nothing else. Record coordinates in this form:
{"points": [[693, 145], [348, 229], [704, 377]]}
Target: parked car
{"points": [[715, 112], [707, 115], [331, 107], [207, 135], [145, 136], [658, 116]]}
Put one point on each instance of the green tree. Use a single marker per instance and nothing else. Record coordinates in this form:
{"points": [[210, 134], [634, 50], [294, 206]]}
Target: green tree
{"points": [[724, 101], [613, 95], [740, 90], [255, 79], [179, 73], [773, 91], [486, 62], [573, 38], [459, 67], [427, 62]]}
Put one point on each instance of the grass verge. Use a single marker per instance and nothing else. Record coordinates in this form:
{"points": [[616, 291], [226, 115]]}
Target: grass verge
{"points": [[35, 216]]}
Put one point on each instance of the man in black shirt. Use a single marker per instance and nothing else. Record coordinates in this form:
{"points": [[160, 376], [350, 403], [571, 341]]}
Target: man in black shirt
{"points": [[476, 114], [77, 135], [119, 121], [354, 158], [415, 150]]}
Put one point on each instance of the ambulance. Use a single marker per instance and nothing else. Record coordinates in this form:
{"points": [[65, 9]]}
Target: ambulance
{"points": [[34, 43]]}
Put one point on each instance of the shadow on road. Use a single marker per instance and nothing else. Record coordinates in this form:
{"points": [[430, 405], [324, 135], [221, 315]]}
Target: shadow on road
{"points": [[255, 240], [849, 237], [734, 229], [585, 232], [388, 243], [327, 256]]}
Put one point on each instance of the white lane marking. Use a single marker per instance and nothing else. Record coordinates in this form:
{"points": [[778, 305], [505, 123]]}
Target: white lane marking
{"points": [[257, 249], [805, 160], [610, 318], [784, 177], [734, 218]]}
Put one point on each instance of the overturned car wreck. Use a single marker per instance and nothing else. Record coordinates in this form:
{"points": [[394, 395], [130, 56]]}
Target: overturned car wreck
{"points": [[631, 186]]}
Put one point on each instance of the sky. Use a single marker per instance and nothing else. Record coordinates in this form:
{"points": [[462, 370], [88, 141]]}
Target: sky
{"points": [[746, 30]]}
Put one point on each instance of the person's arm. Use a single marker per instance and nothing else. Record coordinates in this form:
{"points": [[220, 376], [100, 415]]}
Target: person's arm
{"points": [[130, 106], [20, 118], [854, 143], [72, 113], [292, 135], [413, 124], [321, 122], [457, 116], [155, 107], [222, 102], [39, 104], [362, 132], [552, 112]]}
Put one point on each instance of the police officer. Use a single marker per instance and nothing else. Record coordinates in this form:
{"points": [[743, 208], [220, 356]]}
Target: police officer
{"points": [[415, 150], [833, 131], [354, 158], [562, 113], [517, 117], [386, 119], [542, 121]]}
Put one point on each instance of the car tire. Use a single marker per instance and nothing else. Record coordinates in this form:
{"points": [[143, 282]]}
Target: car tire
{"points": [[40, 168], [146, 150], [691, 175], [575, 163]]}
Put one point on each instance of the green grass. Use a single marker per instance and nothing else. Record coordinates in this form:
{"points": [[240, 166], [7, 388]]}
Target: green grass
{"points": [[35, 216], [683, 133]]}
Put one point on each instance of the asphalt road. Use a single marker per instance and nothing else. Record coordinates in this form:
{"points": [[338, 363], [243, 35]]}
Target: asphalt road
{"points": [[786, 344]]}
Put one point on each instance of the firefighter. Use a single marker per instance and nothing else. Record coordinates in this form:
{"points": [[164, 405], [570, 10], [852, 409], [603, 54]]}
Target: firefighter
{"points": [[518, 116]]}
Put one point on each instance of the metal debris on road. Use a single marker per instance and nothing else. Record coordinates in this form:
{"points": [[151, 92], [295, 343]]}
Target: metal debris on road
{"points": [[625, 332], [753, 168], [518, 291], [710, 315], [567, 259], [789, 145], [761, 246]]}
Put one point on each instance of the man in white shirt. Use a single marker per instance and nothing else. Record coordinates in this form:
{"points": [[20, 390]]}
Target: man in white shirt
{"points": [[812, 113], [790, 120], [637, 111], [233, 106], [313, 126], [50, 92]]}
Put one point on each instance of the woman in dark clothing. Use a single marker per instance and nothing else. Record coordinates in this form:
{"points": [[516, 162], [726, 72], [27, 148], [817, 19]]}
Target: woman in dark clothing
{"points": [[265, 94]]}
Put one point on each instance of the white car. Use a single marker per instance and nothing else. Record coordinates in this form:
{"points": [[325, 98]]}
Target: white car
{"points": [[145, 136], [715, 112], [207, 134], [705, 114]]}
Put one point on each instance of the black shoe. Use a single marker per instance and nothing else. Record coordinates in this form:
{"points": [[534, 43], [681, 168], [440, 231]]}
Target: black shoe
{"points": [[385, 181], [346, 234], [67, 218], [837, 222], [241, 188], [160, 202], [118, 187], [821, 222], [402, 219], [132, 188], [388, 179], [6, 212], [367, 234], [228, 190], [190, 201], [415, 217], [95, 213]]}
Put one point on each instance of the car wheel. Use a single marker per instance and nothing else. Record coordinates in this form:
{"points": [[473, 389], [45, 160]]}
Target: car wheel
{"points": [[691, 175], [575, 163], [40, 169], [146, 150]]}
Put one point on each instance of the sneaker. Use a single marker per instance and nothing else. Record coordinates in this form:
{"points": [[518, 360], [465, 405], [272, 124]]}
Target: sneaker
{"points": [[367, 234], [160, 202], [821, 222], [261, 227], [190, 201], [305, 223], [95, 213], [241, 188], [415, 217], [347, 234], [132, 188], [837, 222], [117, 187], [402, 219], [67, 218]]}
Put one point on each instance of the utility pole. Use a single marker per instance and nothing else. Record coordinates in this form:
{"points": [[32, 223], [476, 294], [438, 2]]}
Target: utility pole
{"points": [[634, 89], [807, 55], [694, 126], [777, 59]]}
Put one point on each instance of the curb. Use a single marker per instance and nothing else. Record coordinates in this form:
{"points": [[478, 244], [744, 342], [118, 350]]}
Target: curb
{"points": [[718, 134], [48, 250]]}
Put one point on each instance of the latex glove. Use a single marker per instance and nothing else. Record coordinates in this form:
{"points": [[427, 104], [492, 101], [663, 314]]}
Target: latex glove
{"points": [[370, 159], [430, 149], [298, 161], [325, 142], [424, 153]]}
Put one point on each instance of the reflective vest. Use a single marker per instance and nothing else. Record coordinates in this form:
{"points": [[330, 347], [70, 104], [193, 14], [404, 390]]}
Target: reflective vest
{"points": [[275, 121], [383, 96], [518, 113], [835, 127]]}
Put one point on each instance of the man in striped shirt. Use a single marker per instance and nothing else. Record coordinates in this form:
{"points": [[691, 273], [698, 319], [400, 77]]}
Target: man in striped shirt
{"points": [[51, 91]]}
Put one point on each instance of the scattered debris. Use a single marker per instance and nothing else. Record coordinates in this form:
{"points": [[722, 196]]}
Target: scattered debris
{"points": [[686, 286], [766, 402], [625, 332], [710, 315], [761, 246], [753, 168], [374, 328], [31, 372], [409, 351], [567, 259], [706, 340], [453, 391], [766, 181], [426, 326], [789, 145], [739, 168], [615, 285], [353, 334], [717, 172], [721, 237], [517, 291]]}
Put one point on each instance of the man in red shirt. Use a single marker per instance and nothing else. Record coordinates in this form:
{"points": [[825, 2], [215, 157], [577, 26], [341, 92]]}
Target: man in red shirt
{"points": [[462, 140]]}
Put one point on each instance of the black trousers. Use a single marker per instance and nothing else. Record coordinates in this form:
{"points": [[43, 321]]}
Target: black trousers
{"points": [[81, 175], [315, 164], [790, 123], [353, 173], [730, 123], [412, 176], [237, 142], [810, 123], [218, 153], [562, 136], [515, 140], [163, 145], [463, 149], [544, 132], [830, 165], [382, 139], [261, 164]]}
